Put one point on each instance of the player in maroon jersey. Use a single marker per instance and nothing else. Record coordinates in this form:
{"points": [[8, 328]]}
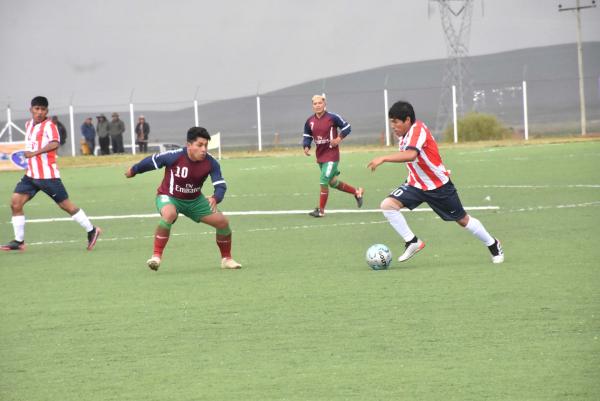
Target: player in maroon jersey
{"points": [[322, 128], [186, 169]]}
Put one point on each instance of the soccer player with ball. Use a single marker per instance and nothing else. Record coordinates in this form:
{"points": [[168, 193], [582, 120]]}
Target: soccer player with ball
{"points": [[428, 181], [186, 169]]}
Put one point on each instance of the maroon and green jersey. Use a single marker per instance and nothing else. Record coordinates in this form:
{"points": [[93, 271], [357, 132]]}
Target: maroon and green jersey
{"points": [[322, 130], [184, 177]]}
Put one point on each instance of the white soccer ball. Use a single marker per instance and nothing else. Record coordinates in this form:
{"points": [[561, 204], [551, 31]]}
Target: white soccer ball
{"points": [[379, 257]]}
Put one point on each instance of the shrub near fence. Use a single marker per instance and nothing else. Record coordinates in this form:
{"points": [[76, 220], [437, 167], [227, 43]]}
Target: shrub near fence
{"points": [[477, 127]]}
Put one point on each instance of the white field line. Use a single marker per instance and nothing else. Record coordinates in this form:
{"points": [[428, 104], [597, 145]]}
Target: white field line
{"points": [[377, 190], [212, 232], [534, 186], [248, 213], [567, 206], [302, 227]]}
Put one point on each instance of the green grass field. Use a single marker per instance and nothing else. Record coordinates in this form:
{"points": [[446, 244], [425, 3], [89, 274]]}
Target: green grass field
{"points": [[306, 319]]}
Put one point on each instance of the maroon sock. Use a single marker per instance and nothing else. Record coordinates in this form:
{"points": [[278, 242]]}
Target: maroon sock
{"points": [[224, 244], [342, 186], [323, 199], [161, 237]]}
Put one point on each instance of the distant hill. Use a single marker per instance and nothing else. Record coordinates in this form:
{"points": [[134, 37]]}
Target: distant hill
{"points": [[553, 98]]}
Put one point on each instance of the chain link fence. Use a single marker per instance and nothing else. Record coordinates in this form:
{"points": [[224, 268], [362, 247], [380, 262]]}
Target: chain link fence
{"points": [[552, 105]]}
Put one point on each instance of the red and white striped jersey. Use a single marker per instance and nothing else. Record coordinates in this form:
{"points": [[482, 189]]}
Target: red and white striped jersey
{"points": [[37, 136], [427, 171]]}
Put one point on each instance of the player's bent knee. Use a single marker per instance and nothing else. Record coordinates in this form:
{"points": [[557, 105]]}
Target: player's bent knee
{"points": [[17, 203], [169, 217], [168, 214], [222, 223], [464, 221]]}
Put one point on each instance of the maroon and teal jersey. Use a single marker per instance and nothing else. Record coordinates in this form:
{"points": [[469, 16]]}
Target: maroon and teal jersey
{"points": [[322, 131], [184, 177]]}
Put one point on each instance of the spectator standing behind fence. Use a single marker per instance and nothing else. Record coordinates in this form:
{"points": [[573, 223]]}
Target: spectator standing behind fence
{"points": [[62, 130], [102, 132], [142, 130], [116, 128], [89, 134]]}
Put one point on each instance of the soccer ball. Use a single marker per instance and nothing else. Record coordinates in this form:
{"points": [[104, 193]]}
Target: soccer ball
{"points": [[379, 257]]}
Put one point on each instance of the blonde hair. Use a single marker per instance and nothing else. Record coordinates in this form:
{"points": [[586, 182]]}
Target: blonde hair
{"points": [[315, 97]]}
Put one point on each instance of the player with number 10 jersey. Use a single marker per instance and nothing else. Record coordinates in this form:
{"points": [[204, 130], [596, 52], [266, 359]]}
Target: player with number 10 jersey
{"points": [[180, 191]]}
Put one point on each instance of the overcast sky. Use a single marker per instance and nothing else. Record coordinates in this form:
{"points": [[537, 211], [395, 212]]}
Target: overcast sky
{"points": [[97, 51]]}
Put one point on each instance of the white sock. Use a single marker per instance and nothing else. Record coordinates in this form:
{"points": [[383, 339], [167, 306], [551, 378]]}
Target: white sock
{"points": [[83, 220], [398, 221], [18, 223], [478, 230]]}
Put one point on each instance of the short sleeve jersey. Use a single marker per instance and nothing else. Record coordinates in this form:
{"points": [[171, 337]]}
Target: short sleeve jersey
{"points": [[37, 136], [184, 177], [322, 130], [427, 171]]}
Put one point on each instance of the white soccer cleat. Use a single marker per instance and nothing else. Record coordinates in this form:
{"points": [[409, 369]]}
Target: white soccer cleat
{"points": [[411, 250], [153, 263], [228, 263], [497, 252]]}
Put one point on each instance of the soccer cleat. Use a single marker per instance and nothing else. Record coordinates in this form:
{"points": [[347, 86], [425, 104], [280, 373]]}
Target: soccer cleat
{"points": [[316, 213], [359, 197], [93, 237], [497, 252], [411, 249], [13, 245], [153, 262], [228, 263]]}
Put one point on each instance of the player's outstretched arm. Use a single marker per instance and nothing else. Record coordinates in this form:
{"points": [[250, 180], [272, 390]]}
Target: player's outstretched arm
{"points": [[154, 162], [398, 157]]}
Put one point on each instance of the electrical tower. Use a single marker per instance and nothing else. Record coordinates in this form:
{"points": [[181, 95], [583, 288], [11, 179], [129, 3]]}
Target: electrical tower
{"points": [[456, 23]]}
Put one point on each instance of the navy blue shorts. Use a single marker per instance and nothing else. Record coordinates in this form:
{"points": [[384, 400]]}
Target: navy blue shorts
{"points": [[443, 200], [52, 187]]}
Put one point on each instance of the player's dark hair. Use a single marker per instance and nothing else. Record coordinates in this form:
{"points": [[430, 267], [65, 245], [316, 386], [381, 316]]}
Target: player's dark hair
{"points": [[39, 101], [400, 110], [197, 132]]}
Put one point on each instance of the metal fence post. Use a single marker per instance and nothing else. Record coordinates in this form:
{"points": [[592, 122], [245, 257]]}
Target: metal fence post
{"points": [[131, 122], [454, 113], [525, 117], [72, 124], [385, 115], [258, 123]]}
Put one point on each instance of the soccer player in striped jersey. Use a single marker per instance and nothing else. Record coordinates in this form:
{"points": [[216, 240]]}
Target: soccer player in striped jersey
{"points": [[41, 143], [327, 130], [186, 169], [428, 181]]}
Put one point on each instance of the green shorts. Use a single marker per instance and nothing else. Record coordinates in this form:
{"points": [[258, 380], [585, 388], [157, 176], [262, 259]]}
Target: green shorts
{"points": [[328, 171], [195, 209]]}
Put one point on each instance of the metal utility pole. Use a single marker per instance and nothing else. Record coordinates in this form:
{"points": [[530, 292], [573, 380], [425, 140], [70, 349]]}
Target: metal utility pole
{"points": [[456, 23], [580, 60]]}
